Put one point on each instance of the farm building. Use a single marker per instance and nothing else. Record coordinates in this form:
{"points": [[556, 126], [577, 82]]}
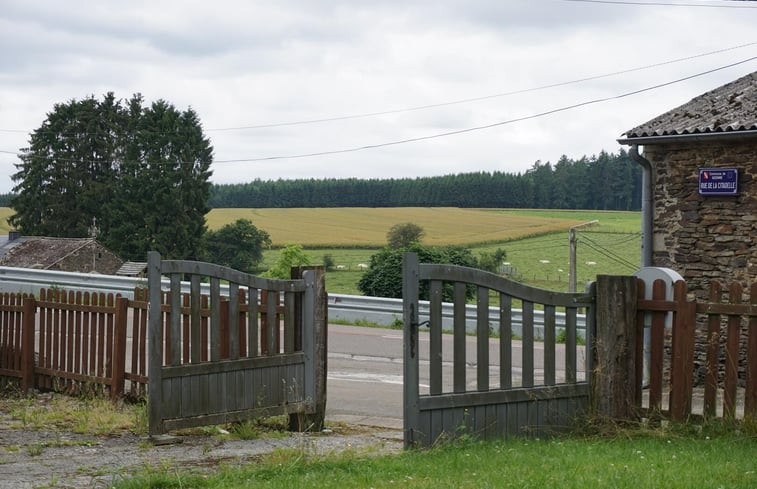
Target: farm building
{"points": [[699, 209], [84, 255]]}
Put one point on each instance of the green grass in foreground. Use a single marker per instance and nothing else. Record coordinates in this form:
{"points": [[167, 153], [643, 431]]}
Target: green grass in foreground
{"points": [[722, 461]]}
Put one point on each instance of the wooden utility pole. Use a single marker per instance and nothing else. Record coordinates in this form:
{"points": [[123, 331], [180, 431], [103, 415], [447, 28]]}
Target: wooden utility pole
{"points": [[573, 240]]}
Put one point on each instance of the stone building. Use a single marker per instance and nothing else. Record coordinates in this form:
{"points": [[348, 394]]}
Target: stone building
{"points": [[699, 209], [83, 255]]}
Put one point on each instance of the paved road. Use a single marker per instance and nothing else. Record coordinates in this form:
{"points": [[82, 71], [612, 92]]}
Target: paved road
{"points": [[365, 371]]}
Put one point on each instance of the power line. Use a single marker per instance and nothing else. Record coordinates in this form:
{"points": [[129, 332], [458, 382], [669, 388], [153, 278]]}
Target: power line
{"points": [[617, 260], [453, 102], [487, 126], [459, 131], [661, 4], [608, 253]]}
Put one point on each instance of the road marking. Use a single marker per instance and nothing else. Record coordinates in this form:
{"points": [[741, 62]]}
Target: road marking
{"points": [[368, 377]]}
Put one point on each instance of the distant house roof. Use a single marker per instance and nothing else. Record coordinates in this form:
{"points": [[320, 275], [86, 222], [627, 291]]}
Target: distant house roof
{"points": [[730, 110], [132, 269], [39, 252]]}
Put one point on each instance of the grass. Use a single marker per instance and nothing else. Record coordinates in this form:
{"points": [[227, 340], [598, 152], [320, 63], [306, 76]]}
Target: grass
{"points": [[669, 458], [84, 416]]}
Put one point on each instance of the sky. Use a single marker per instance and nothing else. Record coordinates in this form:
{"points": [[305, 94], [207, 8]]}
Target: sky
{"points": [[375, 88]]}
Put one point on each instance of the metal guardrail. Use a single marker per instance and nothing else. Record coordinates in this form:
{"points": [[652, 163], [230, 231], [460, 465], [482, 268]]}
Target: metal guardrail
{"points": [[341, 307]]}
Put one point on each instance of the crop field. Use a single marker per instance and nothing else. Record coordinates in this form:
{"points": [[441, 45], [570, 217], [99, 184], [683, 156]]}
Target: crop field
{"points": [[5, 213], [610, 246], [361, 227], [536, 241]]}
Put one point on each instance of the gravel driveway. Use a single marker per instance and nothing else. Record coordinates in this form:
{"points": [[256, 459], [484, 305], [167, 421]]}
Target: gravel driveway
{"points": [[34, 459]]}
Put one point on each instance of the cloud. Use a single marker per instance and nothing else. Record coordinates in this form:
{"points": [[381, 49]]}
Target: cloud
{"points": [[243, 63]]}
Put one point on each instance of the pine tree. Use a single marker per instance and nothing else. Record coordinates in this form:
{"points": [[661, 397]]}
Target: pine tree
{"points": [[141, 171]]}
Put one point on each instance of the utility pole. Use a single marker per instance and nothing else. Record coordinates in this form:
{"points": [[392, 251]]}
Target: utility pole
{"points": [[573, 241]]}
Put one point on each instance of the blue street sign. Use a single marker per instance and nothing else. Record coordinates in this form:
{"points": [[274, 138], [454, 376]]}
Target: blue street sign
{"points": [[718, 181]]}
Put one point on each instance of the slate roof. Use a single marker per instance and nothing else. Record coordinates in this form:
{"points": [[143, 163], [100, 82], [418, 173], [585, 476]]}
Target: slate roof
{"points": [[731, 108], [39, 252]]}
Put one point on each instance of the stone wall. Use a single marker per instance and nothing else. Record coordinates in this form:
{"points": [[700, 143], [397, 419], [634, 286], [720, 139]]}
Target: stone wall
{"points": [[705, 238]]}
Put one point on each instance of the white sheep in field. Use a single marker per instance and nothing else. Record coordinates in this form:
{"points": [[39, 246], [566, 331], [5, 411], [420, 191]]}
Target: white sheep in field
{"points": [[362, 266], [340, 267]]}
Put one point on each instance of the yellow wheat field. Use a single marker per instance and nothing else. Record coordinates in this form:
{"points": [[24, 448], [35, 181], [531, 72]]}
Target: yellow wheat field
{"points": [[358, 227], [367, 227]]}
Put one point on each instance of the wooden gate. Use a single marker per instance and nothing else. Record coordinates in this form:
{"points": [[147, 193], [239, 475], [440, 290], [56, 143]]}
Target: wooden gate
{"points": [[532, 390], [260, 364]]}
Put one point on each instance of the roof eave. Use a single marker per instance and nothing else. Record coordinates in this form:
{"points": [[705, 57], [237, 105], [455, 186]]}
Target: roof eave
{"points": [[676, 138]]}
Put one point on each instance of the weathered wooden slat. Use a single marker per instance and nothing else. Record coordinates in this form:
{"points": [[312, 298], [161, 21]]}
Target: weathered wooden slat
{"points": [[732, 354], [749, 310], [471, 399], [234, 416], [272, 324], [230, 275], [549, 345], [750, 385], [482, 339], [289, 318], [195, 320], [527, 343], [435, 337], [215, 319], [505, 341], [571, 345], [252, 323], [657, 349], [474, 276], [175, 296], [233, 321], [410, 351], [233, 366], [459, 335], [682, 362], [155, 345]]}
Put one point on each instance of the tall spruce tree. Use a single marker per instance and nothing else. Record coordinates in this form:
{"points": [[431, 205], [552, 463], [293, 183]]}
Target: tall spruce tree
{"points": [[142, 171]]}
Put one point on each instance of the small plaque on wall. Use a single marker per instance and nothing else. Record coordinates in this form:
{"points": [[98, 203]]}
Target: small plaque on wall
{"points": [[718, 181]]}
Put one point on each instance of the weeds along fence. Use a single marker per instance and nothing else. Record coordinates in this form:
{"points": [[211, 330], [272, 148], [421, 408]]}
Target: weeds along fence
{"points": [[96, 343]]}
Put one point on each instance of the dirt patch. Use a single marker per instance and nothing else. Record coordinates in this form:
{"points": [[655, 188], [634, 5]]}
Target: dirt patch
{"points": [[50, 458]]}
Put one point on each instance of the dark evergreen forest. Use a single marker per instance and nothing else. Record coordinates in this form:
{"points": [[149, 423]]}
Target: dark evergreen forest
{"points": [[608, 181]]}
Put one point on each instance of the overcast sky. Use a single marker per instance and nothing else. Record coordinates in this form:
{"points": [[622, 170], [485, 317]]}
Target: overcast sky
{"points": [[251, 63]]}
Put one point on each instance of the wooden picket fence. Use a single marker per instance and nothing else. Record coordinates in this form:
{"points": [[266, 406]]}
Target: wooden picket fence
{"points": [[727, 328], [91, 342]]}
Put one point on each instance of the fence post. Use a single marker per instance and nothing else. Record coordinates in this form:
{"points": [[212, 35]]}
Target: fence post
{"points": [[681, 375], [119, 349], [316, 420], [614, 375], [27, 346]]}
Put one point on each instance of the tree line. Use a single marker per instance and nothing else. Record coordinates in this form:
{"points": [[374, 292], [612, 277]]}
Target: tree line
{"points": [[608, 181]]}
